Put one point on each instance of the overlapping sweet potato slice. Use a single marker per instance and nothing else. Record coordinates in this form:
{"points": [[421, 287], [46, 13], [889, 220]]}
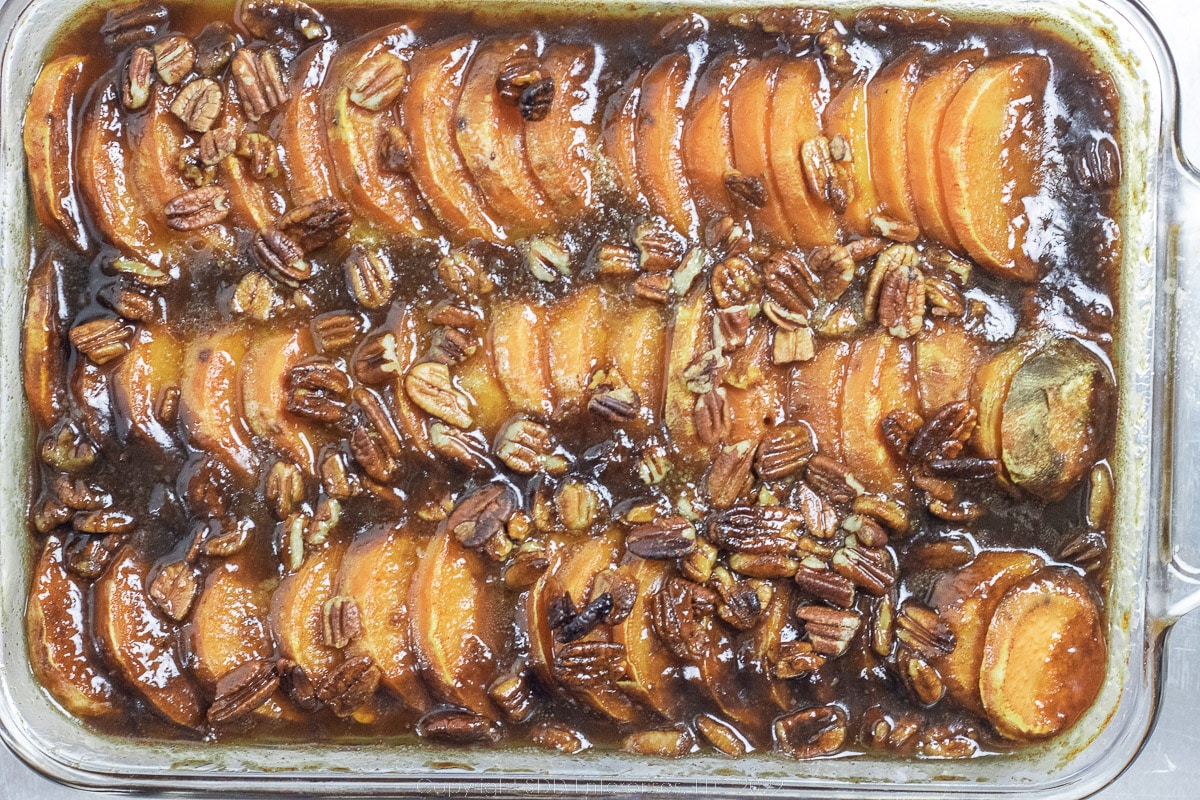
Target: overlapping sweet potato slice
{"points": [[756, 391], [666, 91], [947, 360], [253, 204], [520, 355], [990, 161], [302, 128], [49, 148], [879, 380], [938, 85], [229, 626], [889, 102], [741, 698], [653, 674], [263, 383], [210, 404], [636, 346], [356, 138], [618, 139], [457, 609], [795, 119], [691, 337], [491, 136], [846, 116], [377, 571], [750, 120], [43, 356], [562, 146], [759, 647], [91, 394], [139, 383], [297, 616], [708, 136], [64, 661], [578, 333], [138, 644], [430, 118], [815, 394], [117, 208]]}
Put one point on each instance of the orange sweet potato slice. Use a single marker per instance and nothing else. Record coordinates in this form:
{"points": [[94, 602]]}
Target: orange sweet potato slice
{"points": [[210, 405], [745, 702], [750, 119], [989, 389], [43, 357], [430, 113], [691, 336], [990, 161], [618, 139], [889, 101], [263, 383], [302, 129], [757, 394], [577, 338], [846, 116], [653, 675], [636, 345], [377, 571], [48, 148], [879, 380], [456, 608], [477, 378], [139, 645], [947, 360], [759, 645], [966, 601], [92, 396], [253, 204], [63, 661], [297, 611], [795, 118], [491, 135], [708, 136], [147, 371], [562, 146], [520, 356], [666, 90], [937, 87], [387, 198], [1044, 657], [815, 394]]}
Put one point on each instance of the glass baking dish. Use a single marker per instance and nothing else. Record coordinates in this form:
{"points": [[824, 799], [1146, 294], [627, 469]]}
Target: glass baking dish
{"points": [[1155, 567]]}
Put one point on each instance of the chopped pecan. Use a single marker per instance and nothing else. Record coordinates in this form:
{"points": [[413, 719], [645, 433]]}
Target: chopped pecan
{"points": [[350, 685], [921, 629], [742, 604], [680, 612], [174, 58], [341, 621], [215, 45], [837, 58], [260, 82], [730, 475], [747, 190], [673, 742], [318, 389], [174, 589], [665, 538], [243, 689], [431, 387], [612, 398], [556, 736], [872, 569], [135, 89], [527, 447], [832, 479], [759, 530], [826, 585], [197, 208], [590, 664], [830, 630], [482, 514], [811, 732], [102, 340], [128, 24]]}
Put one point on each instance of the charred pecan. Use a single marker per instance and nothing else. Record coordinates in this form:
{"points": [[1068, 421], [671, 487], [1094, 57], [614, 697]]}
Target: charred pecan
{"points": [[536, 99], [282, 19], [826, 585], [556, 736], [376, 81], [832, 479], [318, 389], [174, 589], [243, 689], [467, 448], [747, 190], [430, 386], [834, 268], [135, 89], [965, 469], [457, 726], [316, 224], [341, 622], [526, 446], [872, 569], [260, 82], [482, 514], [174, 57], [350, 685], [285, 489], [197, 208], [464, 274], [102, 340], [730, 475], [215, 45], [581, 624], [811, 732], [757, 529], [590, 664], [945, 434], [921, 629], [673, 742], [124, 26], [830, 630], [666, 538]]}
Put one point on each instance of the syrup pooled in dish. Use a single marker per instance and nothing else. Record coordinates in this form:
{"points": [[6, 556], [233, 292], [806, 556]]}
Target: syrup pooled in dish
{"points": [[671, 382]]}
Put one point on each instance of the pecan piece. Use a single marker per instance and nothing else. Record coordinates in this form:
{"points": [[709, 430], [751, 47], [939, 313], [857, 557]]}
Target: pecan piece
{"points": [[341, 621], [513, 694], [899, 428], [260, 83], [1087, 550], [892, 20], [431, 387], [830, 630], [811, 732], [826, 585], [556, 736], [536, 99], [261, 152], [784, 451], [124, 26], [730, 475], [243, 689], [103, 521], [198, 104], [197, 208], [174, 589], [526, 446], [731, 328], [370, 277], [102, 340], [722, 735], [482, 514], [680, 612], [834, 268], [590, 664], [748, 190], [452, 346], [666, 538], [296, 684], [68, 448], [516, 75], [945, 434], [464, 274], [135, 89], [281, 19], [793, 659], [736, 281], [760, 530], [872, 569], [919, 628], [318, 389], [467, 448], [316, 224], [612, 398], [284, 490], [377, 81], [832, 478], [742, 604], [673, 742], [920, 678], [581, 624], [457, 726], [350, 685], [174, 58], [233, 536]]}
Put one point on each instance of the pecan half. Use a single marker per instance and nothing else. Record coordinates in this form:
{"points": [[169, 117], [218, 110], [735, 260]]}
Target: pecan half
{"points": [[791, 346], [921, 629], [457, 726], [466, 448], [452, 346], [197, 208], [103, 521], [526, 446], [736, 281], [666, 538], [68, 448], [730, 475], [243, 689], [431, 387], [318, 389], [590, 664], [283, 19], [124, 26], [316, 224], [139, 75], [198, 104], [826, 585], [341, 621], [759, 530], [217, 145], [373, 457], [377, 80], [260, 82], [748, 190], [794, 659], [811, 732], [612, 398], [174, 589], [658, 249], [613, 258], [556, 736], [920, 678], [174, 58], [823, 176], [872, 569], [680, 612], [896, 292], [655, 287], [742, 604], [102, 340], [832, 479], [945, 434], [464, 274], [255, 297], [834, 269], [893, 20], [784, 451], [712, 416], [673, 742], [350, 685], [262, 154], [830, 630], [370, 277], [284, 490], [482, 514]]}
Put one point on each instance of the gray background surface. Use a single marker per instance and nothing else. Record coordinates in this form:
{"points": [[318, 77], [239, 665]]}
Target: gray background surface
{"points": [[1169, 766]]}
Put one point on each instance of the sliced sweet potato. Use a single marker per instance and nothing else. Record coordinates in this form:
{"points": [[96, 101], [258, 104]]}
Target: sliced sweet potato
{"points": [[745, 702], [708, 136], [666, 91], [578, 333], [456, 608], [618, 139], [43, 355], [387, 198], [758, 646], [229, 623], [1045, 656], [377, 571], [947, 360], [209, 402], [750, 120], [92, 397], [966, 600], [989, 388], [815, 394], [846, 116], [757, 394], [562, 146], [138, 644], [653, 675], [253, 204], [65, 662], [491, 135], [796, 118], [637, 339], [691, 336], [263, 384], [520, 355], [889, 101], [478, 379], [430, 112], [118, 210], [301, 123], [879, 380], [297, 611], [938, 85], [990, 161], [49, 142], [147, 371], [536, 608]]}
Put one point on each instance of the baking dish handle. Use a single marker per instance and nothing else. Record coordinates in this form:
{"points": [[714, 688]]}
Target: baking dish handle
{"points": [[1180, 548]]}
